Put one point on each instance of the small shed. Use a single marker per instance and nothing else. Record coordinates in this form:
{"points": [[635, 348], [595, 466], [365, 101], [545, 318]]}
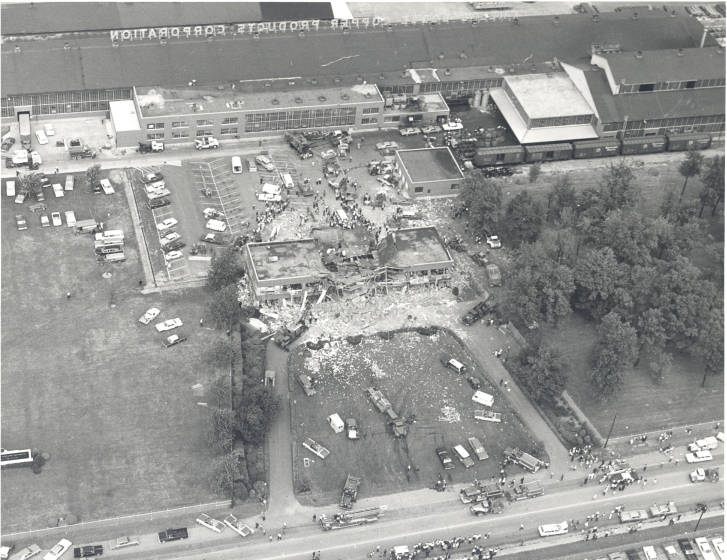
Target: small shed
{"points": [[335, 422], [483, 398], [270, 377]]}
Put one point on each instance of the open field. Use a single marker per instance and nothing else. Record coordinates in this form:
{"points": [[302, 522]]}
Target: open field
{"points": [[407, 370], [83, 381], [642, 405]]}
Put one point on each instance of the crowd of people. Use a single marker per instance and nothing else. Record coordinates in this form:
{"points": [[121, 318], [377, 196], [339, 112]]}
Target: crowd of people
{"points": [[444, 548], [272, 209]]}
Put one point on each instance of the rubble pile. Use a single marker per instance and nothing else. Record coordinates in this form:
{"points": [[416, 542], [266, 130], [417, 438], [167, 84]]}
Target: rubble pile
{"points": [[449, 414]]}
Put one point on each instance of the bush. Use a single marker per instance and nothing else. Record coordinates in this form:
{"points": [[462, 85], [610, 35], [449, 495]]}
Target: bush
{"points": [[534, 172], [354, 340], [427, 331]]}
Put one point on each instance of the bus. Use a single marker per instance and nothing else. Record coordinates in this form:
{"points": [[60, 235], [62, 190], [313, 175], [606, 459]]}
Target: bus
{"points": [[24, 126], [16, 457], [553, 529]]}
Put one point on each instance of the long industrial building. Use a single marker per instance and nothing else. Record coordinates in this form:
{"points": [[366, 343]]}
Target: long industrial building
{"points": [[553, 79]]}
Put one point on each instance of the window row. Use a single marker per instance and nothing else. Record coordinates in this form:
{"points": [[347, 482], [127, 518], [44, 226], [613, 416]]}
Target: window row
{"points": [[370, 110], [667, 86], [288, 120], [64, 101], [563, 121]]}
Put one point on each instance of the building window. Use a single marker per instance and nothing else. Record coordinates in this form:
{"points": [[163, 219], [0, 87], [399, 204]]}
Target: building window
{"points": [[155, 126], [453, 186], [369, 120], [201, 133], [393, 118], [204, 122], [418, 189], [305, 118], [646, 87], [690, 84], [370, 110], [155, 136], [179, 124], [229, 120], [228, 130], [180, 133]]}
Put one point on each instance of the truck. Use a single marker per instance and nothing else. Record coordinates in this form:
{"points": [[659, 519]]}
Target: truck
{"points": [[525, 460], [669, 508], [22, 158], [351, 519], [300, 144], [24, 126], [493, 274], [171, 535], [307, 383], [704, 475], [633, 515], [398, 427], [316, 448], [531, 489], [350, 492], [78, 150], [378, 398], [149, 147], [286, 336]]}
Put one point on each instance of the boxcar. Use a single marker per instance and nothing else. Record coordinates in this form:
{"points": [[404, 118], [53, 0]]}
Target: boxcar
{"points": [[685, 142], [643, 145], [583, 149], [548, 152], [499, 155]]}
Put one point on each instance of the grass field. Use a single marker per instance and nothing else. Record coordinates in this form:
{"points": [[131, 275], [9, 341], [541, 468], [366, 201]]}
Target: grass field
{"points": [[642, 405], [83, 381], [408, 371]]}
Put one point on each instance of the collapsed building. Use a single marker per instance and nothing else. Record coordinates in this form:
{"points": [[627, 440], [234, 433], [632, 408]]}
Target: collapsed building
{"points": [[344, 263]]}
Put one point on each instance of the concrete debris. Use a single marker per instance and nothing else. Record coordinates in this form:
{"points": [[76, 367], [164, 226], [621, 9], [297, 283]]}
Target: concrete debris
{"points": [[449, 414]]}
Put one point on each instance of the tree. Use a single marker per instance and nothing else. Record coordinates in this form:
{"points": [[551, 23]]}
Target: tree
{"points": [[225, 471], [257, 409], [222, 430], [713, 184], [220, 353], [561, 196], [710, 343], [523, 218], [540, 288], [93, 174], [534, 172], [224, 307], [481, 199], [628, 234], [597, 276], [616, 187], [226, 268], [30, 183], [689, 167], [616, 350], [542, 373]]}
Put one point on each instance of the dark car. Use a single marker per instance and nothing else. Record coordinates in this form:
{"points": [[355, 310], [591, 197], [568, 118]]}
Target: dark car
{"points": [[687, 548], [8, 143], [477, 312], [171, 535], [474, 382], [214, 238], [175, 245], [159, 202], [633, 554], [88, 551], [445, 458]]}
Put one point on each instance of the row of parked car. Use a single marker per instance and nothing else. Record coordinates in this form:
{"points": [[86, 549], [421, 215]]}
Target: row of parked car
{"points": [[164, 326], [462, 454]]}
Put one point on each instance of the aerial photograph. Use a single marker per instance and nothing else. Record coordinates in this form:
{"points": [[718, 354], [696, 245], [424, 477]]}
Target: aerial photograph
{"points": [[362, 280]]}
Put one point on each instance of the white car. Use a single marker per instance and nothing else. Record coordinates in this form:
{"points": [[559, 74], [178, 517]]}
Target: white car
{"points": [[169, 237], [553, 529], [44, 221], [698, 456], [206, 143], [49, 130], [267, 197], [58, 550], [56, 218], [216, 225], [212, 213], [42, 138], [706, 550], [493, 241], [173, 256], [151, 314], [26, 553], [431, 129], [265, 162], [169, 324], [387, 145], [411, 131], [452, 126], [167, 224], [152, 177]]}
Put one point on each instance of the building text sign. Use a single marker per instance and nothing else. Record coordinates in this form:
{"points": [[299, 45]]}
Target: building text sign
{"points": [[224, 30]]}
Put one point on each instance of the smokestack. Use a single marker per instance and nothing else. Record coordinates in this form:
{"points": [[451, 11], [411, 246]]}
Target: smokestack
{"points": [[704, 38]]}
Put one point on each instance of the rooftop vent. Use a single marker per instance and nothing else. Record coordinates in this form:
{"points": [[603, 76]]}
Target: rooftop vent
{"points": [[463, 55], [291, 82], [516, 21], [268, 84], [533, 68], [673, 13], [367, 94], [314, 81], [447, 71], [345, 96], [321, 98], [301, 34], [389, 27], [474, 23], [256, 35], [17, 49], [404, 74], [382, 77], [337, 79], [595, 18], [639, 55], [556, 20], [298, 100], [680, 52], [66, 46], [276, 101], [635, 15], [441, 56]]}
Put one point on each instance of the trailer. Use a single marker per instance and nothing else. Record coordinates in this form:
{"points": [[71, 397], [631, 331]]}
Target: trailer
{"points": [[350, 492], [378, 398], [659, 510], [548, 152], [351, 519], [24, 129], [684, 142], [315, 448], [531, 489], [238, 526], [488, 415], [525, 460], [491, 490], [587, 149], [643, 145], [499, 156]]}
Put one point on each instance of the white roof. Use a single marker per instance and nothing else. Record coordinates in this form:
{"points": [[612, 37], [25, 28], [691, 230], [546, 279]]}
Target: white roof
{"points": [[535, 135], [123, 116], [548, 95]]}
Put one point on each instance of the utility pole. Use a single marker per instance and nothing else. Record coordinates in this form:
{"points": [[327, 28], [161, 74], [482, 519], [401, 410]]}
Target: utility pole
{"points": [[608, 437], [702, 510]]}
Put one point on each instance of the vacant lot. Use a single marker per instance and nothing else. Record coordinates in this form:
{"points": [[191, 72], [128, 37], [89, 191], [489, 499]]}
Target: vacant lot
{"points": [[407, 370], [642, 405], [86, 383]]}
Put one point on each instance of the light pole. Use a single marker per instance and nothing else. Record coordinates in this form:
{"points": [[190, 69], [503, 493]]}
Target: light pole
{"points": [[702, 509], [608, 437]]}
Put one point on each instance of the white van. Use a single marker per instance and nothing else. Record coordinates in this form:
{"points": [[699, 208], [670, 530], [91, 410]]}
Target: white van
{"points": [[650, 553], [10, 188], [236, 164], [553, 529], [69, 183], [463, 456], [287, 181], [454, 365]]}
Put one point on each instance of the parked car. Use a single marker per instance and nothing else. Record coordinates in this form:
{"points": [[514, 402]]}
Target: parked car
{"points": [[167, 224], [159, 202], [480, 508], [493, 241], [42, 138], [445, 458], [169, 237], [431, 129], [20, 222], [477, 312], [175, 245], [173, 256], [171, 535], [474, 382], [27, 552], [387, 145], [210, 213], [206, 143], [265, 162], [214, 238], [56, 218], [58, 550], [158, 194], [351, 428], [152, 146], [152, 177], [44, 220], [169, 324], [49, 130], [251, 167], [174, 340], [411, 131], [88, 551], [698, 456], [8, 143], [216, 225], [707, 443], [150, 314]]}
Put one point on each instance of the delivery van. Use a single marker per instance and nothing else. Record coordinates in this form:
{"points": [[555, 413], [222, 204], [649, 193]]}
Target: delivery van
{"points": [[287, 181], [463, 456], [236, 164]]}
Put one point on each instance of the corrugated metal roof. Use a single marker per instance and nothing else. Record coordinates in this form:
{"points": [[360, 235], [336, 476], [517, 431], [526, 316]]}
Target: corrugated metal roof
{"points": [[648, 67], [94, 63]]}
